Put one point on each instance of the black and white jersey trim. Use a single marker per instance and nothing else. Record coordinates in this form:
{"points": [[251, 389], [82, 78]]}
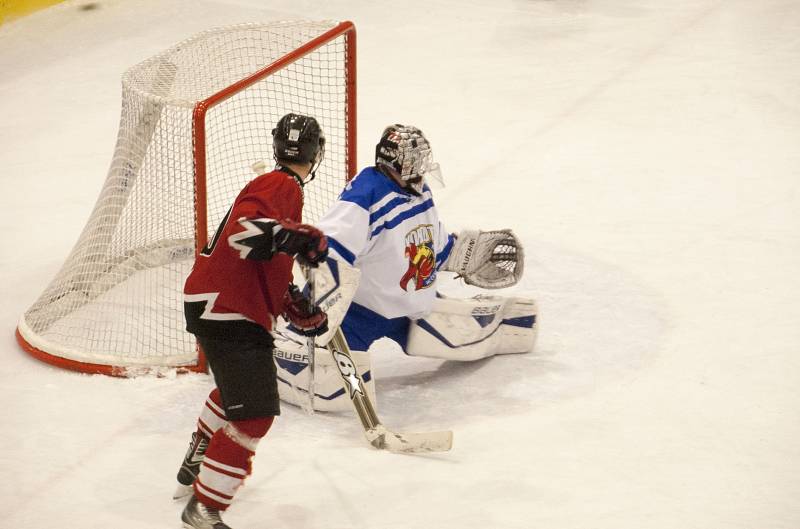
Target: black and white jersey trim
{"points": [[256, 241]]}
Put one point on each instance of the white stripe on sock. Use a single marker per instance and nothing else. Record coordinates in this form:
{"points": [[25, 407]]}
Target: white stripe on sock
{"points": [[205, 491]]}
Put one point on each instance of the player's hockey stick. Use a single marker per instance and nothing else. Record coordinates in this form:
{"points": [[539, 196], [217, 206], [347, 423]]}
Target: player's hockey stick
{"points": [[328, 290], [310, 342], [377, 434]]}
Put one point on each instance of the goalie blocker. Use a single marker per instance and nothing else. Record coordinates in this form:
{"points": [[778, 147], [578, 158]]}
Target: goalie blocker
{"points": [[456, 329]]}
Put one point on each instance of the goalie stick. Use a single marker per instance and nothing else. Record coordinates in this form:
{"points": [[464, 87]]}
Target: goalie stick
{"points": [[376, 433]]}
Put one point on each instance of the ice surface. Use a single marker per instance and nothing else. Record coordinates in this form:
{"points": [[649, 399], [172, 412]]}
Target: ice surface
{"points": [[645, 151]]}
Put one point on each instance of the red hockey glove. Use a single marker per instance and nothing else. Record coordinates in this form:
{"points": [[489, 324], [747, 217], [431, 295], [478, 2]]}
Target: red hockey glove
{"points": [[303, 241], [304, 317]]}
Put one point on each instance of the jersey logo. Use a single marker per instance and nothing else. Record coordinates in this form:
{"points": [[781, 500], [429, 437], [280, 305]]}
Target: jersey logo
{"points": [[421, 271]]}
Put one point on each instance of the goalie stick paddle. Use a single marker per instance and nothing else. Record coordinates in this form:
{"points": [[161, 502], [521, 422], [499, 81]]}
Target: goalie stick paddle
{"points": [[376, 433]]}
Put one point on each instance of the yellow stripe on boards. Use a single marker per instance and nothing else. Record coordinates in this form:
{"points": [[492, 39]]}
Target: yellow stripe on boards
{"points": [[11, 9]]}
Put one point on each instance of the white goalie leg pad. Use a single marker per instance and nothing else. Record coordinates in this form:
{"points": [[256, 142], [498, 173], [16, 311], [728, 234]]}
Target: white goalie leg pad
{"points": [[475, 328], [291, 361]]}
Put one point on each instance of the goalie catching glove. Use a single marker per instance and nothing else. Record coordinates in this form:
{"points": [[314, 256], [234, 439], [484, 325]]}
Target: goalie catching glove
{"points": [[487, 259], [303, 316]]}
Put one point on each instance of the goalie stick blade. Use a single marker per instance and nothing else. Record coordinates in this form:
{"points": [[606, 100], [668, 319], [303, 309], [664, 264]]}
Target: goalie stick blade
{"points": [[383, 439]]}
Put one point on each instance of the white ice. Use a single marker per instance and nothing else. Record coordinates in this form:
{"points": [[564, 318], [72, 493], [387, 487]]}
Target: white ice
{"points": [[647, 152]]}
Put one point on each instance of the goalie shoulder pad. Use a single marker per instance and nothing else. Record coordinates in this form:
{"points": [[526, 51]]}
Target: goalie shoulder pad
{"points": [[487, 259]]}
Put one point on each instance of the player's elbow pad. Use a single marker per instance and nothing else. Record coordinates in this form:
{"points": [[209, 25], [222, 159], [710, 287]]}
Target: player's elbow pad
{"points": [[256, 242]]}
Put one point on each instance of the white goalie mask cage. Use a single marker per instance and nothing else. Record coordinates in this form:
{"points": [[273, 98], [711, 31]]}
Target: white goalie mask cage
{"points": [[406, 152], [195, 119]]}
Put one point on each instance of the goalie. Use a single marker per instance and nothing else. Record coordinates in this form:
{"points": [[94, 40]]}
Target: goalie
{"points": [[385, 225]]}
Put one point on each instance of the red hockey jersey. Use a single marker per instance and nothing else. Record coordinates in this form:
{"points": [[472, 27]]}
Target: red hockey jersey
{"points": [[228, 295]]}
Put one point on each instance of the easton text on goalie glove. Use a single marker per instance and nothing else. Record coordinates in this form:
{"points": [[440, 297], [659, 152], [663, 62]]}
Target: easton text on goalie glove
{"points": [[304, 317], [308, 244]]}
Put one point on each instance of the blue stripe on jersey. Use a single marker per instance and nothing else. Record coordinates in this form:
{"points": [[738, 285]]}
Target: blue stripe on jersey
{"points": [[362, 201], [389, 206], [416, 210], [442, 256], [346, 254]]}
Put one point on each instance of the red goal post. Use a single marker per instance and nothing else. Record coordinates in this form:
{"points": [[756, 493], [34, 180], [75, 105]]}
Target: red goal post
{"points": [[195, 119]]}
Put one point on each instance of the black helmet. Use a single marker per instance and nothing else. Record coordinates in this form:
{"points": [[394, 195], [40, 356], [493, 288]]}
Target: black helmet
{"points": [[298, 139]]}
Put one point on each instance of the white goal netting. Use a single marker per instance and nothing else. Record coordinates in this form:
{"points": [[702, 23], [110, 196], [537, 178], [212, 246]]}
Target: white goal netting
{"points": [[117, 299]]}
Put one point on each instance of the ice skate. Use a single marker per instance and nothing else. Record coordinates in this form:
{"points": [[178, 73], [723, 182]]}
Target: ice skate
{"points": [[199, 516], [190, 467]]}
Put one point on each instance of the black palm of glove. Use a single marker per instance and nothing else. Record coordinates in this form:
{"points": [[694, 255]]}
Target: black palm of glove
{"points": [[305, 317]]}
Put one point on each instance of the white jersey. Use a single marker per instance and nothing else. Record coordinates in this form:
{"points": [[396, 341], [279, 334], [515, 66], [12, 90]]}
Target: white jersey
{"points": [[394, 238]]}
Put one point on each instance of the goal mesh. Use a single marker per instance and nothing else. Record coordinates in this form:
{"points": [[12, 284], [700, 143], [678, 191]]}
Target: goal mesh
{"points": [[195, 119]]}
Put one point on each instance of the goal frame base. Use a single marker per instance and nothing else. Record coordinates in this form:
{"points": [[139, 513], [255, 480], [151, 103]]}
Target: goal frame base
{"points": [[121, 371]]}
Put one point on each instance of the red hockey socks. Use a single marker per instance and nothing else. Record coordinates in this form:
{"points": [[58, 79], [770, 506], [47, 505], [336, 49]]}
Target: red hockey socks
{"points": [[228, 461], [212, 418]]}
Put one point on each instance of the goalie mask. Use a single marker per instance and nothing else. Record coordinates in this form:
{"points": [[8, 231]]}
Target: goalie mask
{"points": [[298, 139], [405, 154]]}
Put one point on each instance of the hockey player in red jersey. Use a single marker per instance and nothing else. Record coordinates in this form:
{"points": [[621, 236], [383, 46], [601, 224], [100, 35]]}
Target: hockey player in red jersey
{"points": [[240, 282]]}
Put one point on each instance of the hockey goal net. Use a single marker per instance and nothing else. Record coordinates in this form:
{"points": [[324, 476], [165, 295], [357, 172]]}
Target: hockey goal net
{"points": [[195, 120]]}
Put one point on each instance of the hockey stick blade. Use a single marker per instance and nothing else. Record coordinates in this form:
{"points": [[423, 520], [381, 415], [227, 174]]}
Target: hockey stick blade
{"points": [[383, 439], [376, 433]]}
